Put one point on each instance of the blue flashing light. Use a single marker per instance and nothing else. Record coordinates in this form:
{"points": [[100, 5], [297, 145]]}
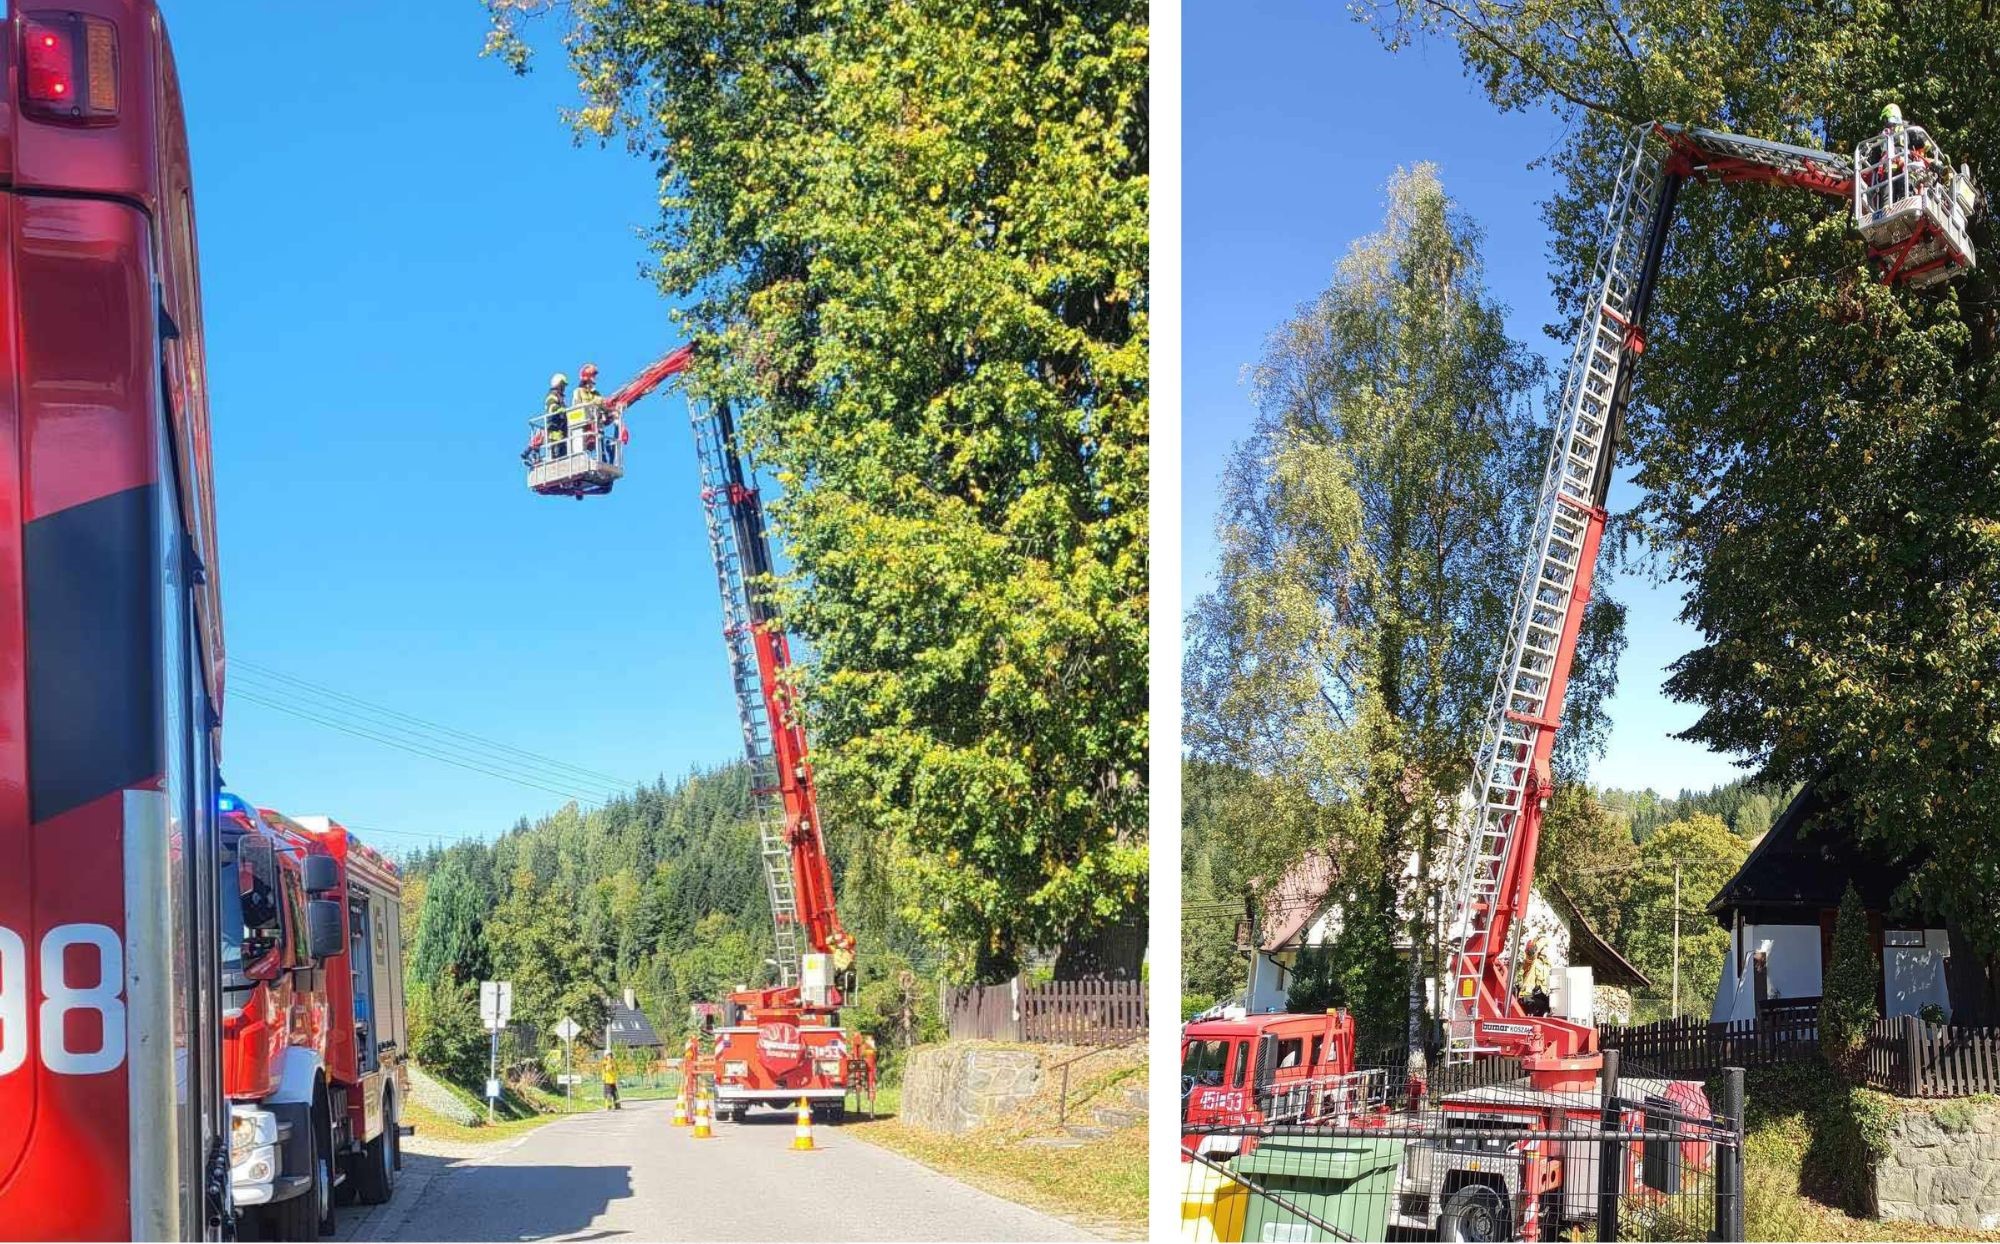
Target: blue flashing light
{"points": [[227, 804]]}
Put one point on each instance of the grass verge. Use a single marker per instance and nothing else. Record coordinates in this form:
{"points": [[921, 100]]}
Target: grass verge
{"points": [[1102, 1181]]}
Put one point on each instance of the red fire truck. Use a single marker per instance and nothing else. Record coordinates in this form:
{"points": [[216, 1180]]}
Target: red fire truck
{"points": [[1507, 1174], [112, 1122], [784, 1042], [313, 1033]]}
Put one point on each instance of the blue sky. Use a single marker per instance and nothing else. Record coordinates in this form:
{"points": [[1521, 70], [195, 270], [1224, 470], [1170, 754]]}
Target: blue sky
{"points": [[1293, 119], [399, 242]]}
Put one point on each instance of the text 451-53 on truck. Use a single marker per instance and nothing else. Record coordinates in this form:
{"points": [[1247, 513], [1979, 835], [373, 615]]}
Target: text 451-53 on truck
{"points": [[313, 1019]]}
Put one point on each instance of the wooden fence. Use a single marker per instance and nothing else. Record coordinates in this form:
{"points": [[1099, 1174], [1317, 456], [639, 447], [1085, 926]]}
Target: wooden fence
{"points": [[1911, 1058], [1694, 1047], [1084, 1012], [1089, 1012], [1905, 1055]]}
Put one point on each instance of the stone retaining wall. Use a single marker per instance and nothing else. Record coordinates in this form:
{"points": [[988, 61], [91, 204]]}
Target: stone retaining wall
{"points": [[964, 1085], [1941, 1166]]}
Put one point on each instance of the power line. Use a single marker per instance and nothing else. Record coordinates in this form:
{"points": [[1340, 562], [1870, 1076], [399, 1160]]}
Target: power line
{"points": [[268, 675], [406, 745]]}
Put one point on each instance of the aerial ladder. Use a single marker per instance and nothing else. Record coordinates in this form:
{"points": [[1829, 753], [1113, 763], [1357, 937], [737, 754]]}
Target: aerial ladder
{"points": [[792, 1045], [1913, 212]]}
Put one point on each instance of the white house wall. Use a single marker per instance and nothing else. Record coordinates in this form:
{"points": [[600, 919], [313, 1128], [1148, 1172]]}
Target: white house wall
{"points": [[1792, 968], [1912, 976]]}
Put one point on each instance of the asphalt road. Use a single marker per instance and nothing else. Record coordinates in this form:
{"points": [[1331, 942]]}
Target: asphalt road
{"points": [[630, 1174]]}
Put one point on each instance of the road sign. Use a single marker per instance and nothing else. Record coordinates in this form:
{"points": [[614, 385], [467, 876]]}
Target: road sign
{"points": [[496, 1004], [567, 1030], [566, 1080], [492, 1090]]}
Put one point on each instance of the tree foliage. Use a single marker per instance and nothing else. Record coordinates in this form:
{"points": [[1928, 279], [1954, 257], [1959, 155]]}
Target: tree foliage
{"points": [[1372, 531], [1748, 806], [1707, 855], [451, 924], [659, 891], [912, 238], [1817, 452], [1590, 854]]}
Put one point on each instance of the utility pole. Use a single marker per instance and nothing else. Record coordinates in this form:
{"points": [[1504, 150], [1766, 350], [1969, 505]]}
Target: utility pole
{"points": [[1677, 939]]}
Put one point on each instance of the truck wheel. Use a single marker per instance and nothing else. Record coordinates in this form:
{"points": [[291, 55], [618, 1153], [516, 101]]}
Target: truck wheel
{"points": [[1475, 1214], [375, 1171], [323, 1169], [298, 1217]]}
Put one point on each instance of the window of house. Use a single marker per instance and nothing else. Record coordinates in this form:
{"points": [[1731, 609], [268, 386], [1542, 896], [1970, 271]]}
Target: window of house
{"points": [[1903, 937]]}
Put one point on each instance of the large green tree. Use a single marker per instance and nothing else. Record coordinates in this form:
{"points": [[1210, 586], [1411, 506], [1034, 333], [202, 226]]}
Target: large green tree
{"points": [[1817, 451], [912, 243], [1371, 535], [450, 924], [535, 943], [1685, 863]]}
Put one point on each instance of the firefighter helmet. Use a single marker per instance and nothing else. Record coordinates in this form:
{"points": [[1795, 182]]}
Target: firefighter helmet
{"points": [[588, 373], [1892, 114], [558, 380]]}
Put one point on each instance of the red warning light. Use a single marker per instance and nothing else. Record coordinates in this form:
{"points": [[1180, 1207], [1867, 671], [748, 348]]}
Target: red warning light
{"points": [[71, 68], [51, 67]]}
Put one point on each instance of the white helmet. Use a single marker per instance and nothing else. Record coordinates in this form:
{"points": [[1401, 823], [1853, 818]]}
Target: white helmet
{"points": [[558, 380]]}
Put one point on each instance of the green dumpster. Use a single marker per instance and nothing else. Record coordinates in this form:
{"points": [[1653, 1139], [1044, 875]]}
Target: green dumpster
{"points": [[1348, 1182]]}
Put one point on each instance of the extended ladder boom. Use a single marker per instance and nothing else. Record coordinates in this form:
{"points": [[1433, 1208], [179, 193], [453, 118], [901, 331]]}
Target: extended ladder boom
{"points": [[797, 875], [1511, 779]]}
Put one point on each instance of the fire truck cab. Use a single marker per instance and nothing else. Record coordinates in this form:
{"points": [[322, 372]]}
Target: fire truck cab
{"points": [[313, 1023], [1270, 1069]]}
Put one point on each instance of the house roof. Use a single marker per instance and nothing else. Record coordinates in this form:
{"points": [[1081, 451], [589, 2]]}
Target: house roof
{"points": [[631, 1028], [1586, 946], [1806, 860], [1299, 897]]}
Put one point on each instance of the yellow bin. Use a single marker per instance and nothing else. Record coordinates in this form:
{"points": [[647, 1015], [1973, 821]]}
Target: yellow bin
{"points": [[1213, 1206]]}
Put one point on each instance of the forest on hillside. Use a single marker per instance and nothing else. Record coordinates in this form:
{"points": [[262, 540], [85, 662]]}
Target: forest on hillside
{"points": [[660, 892]]}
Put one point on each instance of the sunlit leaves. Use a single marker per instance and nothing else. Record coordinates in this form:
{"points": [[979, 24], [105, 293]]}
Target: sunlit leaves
{"points": [[914, 240]]}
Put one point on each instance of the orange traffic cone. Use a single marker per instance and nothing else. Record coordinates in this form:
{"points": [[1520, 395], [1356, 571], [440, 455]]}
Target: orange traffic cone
{"points": [[681, 1109], [802, 1135], [702, 1119]]}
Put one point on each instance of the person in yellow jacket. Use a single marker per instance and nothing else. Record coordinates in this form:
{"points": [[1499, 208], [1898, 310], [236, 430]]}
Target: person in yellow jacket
{"points": [[610, 1085], [557, 422]]}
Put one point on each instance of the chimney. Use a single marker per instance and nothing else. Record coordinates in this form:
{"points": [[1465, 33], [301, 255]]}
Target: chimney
{"points": [[631, 1000]]}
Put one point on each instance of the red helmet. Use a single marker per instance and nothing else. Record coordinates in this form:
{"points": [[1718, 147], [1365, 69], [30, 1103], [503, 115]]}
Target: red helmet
{"points": [[589, 372]]}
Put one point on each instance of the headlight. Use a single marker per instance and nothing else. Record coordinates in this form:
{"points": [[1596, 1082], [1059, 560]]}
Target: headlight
{"points": [[249, 1128], [736, 1070]]}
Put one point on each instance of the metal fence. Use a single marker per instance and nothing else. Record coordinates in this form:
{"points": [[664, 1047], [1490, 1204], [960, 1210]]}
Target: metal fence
{"points": [[1911, 1058], [1631, 1154], [1089, 1012]]}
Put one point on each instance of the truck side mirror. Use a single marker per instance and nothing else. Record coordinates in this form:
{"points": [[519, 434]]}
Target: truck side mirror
{"points": [[320, 874], [257, 880], [325, 934]]}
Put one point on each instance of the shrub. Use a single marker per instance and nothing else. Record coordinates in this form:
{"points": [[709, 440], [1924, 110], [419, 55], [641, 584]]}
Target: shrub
{"points": [[445, 1035], [1847, 1005]]}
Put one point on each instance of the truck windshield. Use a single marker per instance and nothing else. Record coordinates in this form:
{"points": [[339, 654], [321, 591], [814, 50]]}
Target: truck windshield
{"points": [[1203, 1062], [229, 916]]}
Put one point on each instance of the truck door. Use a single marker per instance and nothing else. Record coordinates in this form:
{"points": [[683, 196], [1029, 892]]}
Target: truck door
{"points": [[361, 962]]}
